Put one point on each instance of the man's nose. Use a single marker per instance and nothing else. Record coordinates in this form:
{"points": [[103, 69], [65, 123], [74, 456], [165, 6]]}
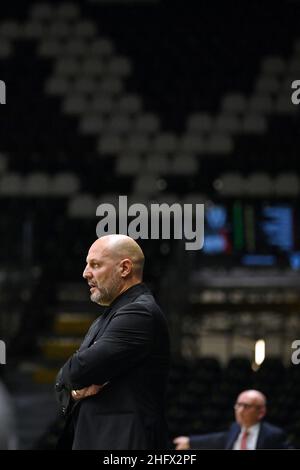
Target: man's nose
{"points": [[86, 273]]}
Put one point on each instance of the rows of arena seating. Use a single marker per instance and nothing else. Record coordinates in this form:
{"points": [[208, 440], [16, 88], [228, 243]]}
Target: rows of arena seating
{"points": [[156, 104]]}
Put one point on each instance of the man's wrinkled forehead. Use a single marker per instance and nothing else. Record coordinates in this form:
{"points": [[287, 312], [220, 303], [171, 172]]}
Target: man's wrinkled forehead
{"points": [[97, 252]]}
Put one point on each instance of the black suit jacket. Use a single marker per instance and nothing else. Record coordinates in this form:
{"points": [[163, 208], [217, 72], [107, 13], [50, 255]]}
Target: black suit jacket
{"points": [[269, 437], [128, 348]]}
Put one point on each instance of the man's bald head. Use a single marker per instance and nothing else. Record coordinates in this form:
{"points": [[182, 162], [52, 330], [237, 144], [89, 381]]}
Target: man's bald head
{"points": [[255, 397], [114, 263], [121, 247], [250, 407]]}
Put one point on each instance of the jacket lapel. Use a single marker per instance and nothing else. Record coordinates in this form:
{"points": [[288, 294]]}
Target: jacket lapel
{"points": [[261, 437], [232, 436], [103, 320]]}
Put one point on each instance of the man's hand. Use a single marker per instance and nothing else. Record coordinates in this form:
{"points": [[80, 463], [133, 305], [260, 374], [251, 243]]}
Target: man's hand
{"points": [[182, 443], [86, 392]]}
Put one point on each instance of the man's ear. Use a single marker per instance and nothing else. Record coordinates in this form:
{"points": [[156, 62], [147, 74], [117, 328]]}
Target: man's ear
{"points": [[126, 267], [262, 412]]}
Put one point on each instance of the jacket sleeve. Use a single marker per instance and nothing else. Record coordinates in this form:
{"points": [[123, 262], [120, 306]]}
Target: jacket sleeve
{"points": [[215, 440], [125, 342]]}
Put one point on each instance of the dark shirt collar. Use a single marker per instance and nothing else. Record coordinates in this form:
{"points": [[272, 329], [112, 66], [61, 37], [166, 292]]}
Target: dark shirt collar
{"points": [[130, 294]]}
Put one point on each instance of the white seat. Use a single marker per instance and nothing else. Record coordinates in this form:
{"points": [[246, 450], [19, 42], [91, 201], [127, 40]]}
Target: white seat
{"points": [[287, 184], [93, 67], [227, 123], [11, 184], [129, 104], [42, 12], [82, 206], [68, 11], [230, 184], [10, 30], [147, 123], [267, 84], [59, 30], [110, 145], [157, 164], [91, 124], [64, 184], [102, 104], [85, 85], [184, 165], [118, 124], [75, 104], [235, 103], [254, 124], [67, 67], [199, 123], [76, 48], [220, 144], [85, 29], [273, 65], [212, 345], [261, 103], [145, 185], [36, 184], [50, 48], [112, 86], [57, 86], [191, 143], [259, 184], [102, 48], [165, 143], [34, 29], [119, 67], [137, 143], [129, 165]]}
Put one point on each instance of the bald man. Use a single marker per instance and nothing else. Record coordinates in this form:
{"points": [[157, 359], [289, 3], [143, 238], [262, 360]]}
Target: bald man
{"points": [[249, 432], [112, 390]]}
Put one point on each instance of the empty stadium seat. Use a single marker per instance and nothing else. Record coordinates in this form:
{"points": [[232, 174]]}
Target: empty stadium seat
{"points": [[259, 184], [234, 103], [231, 184], [82, 206], [36, 184], [286, 184], [199, 123]]}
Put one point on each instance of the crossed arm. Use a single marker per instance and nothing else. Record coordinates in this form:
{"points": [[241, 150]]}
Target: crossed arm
{"points": [[125, 342]]}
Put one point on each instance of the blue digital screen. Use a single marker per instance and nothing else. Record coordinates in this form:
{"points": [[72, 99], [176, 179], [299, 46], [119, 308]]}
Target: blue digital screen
{"points": [[277, 226], [253, 233]]}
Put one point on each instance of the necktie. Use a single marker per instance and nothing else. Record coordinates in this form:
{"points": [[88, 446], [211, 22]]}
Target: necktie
{"points": [[244, 440]]}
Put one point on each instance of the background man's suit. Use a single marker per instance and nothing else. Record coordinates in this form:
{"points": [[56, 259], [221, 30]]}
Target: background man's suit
{"points": [[128, 347], [269, 437]]}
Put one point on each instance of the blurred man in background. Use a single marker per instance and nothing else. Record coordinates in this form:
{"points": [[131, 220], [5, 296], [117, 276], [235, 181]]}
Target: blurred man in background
{"points": [[112, 389], [249, 432]]}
